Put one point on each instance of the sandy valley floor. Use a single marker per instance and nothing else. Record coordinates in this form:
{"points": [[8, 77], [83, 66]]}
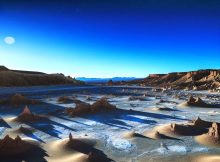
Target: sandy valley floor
{"points": [[112, 133]]}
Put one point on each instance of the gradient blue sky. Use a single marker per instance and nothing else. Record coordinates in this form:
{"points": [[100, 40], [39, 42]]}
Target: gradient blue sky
{"points": [[106, 38]]}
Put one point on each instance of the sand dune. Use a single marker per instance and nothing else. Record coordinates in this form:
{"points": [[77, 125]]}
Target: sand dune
{"points": [[157, 135], [207, 158], [113, 129], [132, 134], [129, 134]]}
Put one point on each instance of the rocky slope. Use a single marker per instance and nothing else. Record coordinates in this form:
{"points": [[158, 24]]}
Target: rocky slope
{"points": [[198, 80], [29, 78]]}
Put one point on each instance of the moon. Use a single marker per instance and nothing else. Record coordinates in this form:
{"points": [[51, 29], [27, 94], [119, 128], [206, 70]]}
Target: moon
{"points": [[9, 40]]}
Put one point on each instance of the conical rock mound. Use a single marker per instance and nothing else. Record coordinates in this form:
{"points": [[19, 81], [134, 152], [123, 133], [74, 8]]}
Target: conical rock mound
{"points": [[10, 146], [101, 105], [28, 116]]}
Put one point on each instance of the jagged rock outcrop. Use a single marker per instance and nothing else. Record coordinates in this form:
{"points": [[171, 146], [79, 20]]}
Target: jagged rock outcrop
{"points": [[212, 138], [101, 105], [193, 128], [185, 130], [12, 147], [214, 131], [29, 78], [80, 109], [198, 102], [198, 80], [201, 123]]}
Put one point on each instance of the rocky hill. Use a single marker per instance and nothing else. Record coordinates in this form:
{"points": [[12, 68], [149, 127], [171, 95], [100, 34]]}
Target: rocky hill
{"points": [[29, 78], [198, 80]]}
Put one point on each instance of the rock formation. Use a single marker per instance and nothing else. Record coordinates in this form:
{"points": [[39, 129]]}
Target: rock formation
{"points": [[12, 147], [29, 78], [25, 130], [64, 99], [28, 116], [201, 123], [212, 138], [194, 128], [80, 109], [198, 102], [182, 129], [18, 99], [198, 80], [214, 131], [101, 105]]}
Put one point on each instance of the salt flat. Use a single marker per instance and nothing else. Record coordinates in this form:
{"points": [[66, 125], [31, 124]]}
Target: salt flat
{"points": [[107, 128]]}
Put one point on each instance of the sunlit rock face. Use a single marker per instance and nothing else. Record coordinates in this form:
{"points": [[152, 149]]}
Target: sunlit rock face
{"points": [[193, 80], [212, 138], [214, 131], [198, 102]]}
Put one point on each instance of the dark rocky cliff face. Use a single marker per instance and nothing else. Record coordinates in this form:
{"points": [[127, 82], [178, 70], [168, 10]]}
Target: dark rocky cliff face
{"points": [[29, 78], [3, 68]]}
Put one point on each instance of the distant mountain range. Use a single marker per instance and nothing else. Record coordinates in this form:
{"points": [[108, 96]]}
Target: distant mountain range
{"points": [[104, 80]]}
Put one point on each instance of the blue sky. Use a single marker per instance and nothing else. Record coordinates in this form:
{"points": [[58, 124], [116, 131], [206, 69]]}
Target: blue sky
{"points": [[106, 38]]}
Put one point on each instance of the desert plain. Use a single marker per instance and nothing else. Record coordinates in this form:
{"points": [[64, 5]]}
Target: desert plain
{"points": [[108, 123]]}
